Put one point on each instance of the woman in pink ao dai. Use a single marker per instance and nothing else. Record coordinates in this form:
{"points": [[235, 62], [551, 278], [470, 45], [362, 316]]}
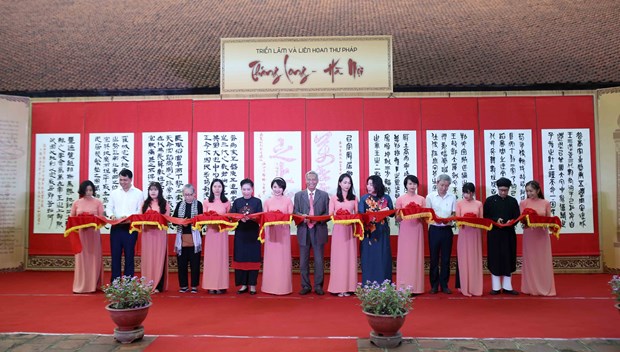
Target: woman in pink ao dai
{"points": [[537, 271], [469, 244], [277, 260], [216, 274], [343, 266], [154, 244], [88, 273], [410, 252]]}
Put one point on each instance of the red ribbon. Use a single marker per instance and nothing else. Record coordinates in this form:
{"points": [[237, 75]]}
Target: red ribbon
{"points": [[344, 217], [76, 223]]}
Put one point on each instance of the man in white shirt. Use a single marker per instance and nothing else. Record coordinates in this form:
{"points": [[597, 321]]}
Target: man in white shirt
{"points": [[440, 235], [123, 202]]}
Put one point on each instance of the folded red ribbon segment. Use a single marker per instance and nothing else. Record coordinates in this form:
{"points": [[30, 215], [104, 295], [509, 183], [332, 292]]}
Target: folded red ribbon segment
{"points": [[76, 223], [344, 217], [151, 218], [272, 218], [224, 222]]}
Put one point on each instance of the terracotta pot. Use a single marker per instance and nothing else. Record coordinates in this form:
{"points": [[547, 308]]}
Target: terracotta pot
{"points": [[128, 319], [385, 325]]}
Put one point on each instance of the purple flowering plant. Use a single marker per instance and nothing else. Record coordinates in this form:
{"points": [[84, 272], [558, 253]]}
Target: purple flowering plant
{"points": [[384, 298], [615, 286], [127, 292]]}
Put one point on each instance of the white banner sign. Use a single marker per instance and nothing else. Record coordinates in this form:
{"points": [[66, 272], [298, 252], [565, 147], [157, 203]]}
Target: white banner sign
{"points": [[335, 153], [277, 154], [507, 153], [57, 180], [392, 155], [450, 152], [306, 64], [568, 177], [165, 160], [221, 156]]}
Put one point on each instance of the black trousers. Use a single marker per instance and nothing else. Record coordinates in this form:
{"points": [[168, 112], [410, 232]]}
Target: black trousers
{"points": [[246, 277], [188, 256], [440, 245], [122, 241]]}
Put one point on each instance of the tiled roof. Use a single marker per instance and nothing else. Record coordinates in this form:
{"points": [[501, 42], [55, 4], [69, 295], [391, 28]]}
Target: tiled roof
{"points": [[162, 45]]}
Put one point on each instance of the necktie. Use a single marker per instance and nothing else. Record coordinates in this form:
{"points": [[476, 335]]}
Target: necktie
{"points": [[311, 224]]}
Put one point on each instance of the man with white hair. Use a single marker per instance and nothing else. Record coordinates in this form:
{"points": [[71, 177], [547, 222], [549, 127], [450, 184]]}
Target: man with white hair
{"points": [[440, 235], [311, 234]]}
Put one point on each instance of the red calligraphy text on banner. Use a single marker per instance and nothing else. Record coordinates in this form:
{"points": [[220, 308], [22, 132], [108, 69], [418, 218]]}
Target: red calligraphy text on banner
{"points": [[355, 70], [332, 69], [258, 71]]}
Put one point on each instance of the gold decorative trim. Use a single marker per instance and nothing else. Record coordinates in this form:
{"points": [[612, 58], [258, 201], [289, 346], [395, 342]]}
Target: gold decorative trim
{"points": [[572, 264]]}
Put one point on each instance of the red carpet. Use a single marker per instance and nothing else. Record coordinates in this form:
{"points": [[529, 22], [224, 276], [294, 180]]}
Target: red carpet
{"points": [[42, 302]]}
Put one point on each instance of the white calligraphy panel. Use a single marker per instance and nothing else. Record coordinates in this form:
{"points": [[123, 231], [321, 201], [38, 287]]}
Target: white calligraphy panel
{"points": [[277, 154], [507, 153], [165, 160], [392, 155], [108, 154], [335, 153], [220, 155], [450, 152], [57, 180], [568, 177]]}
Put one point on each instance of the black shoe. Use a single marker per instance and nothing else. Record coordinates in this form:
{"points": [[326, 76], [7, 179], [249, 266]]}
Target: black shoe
{"points": [[494, 292], [511, 292], [319, 291], [305, 291], [447, 291], [243, 290], [212, 292], [220, 292], [183, 289], [433, 291], [252, 292]]}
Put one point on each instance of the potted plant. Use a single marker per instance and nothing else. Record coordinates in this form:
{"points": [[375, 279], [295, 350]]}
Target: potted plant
{"points": [[615, 289], [129, 301], [386, 307]]}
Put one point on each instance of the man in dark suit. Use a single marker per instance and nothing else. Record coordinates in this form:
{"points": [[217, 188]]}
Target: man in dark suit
{"points": [[311, 234]]}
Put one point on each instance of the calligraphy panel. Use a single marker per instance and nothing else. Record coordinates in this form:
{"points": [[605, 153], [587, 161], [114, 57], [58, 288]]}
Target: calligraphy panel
{"points": [[392, 155], [334, 153], [108, 154], [277, 154], [568, 177], [220, 155], [14, 122], [508, 153], [450, 152], [165, 160], [57, 179]]}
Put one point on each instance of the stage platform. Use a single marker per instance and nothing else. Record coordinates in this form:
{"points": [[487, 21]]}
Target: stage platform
{"points": [[39, 311]]}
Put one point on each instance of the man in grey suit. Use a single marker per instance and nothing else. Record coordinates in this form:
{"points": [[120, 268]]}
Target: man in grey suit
{"points": [[311, 234]]}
